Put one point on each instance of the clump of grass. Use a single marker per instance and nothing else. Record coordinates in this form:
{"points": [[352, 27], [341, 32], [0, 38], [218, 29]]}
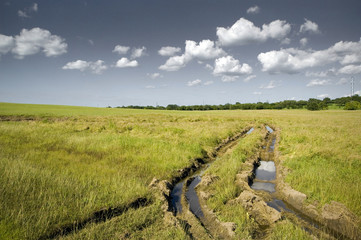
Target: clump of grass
{"points": [[285, 230]]}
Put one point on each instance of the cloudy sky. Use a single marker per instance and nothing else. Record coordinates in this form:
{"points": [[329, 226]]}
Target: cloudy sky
{"points": [[185, 52]]}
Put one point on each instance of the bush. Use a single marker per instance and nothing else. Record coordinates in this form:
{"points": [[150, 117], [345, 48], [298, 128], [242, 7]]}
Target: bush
{"points": [[352, 105]]}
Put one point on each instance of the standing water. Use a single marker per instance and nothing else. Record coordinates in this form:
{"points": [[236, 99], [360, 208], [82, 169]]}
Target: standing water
{"points": [[190, 194]]}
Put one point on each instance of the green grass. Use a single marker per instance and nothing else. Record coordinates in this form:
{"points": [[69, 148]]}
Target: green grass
{"points": [[68, 162]]}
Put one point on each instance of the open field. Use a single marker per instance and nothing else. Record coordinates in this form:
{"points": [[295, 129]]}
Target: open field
{"points": [[61, 164]]}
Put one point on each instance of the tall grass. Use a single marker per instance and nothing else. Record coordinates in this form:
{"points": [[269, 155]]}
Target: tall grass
{"points": [[71, 161]]}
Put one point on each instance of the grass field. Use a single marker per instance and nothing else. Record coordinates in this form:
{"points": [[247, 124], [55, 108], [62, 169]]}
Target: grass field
{"points": [[60, 164]]}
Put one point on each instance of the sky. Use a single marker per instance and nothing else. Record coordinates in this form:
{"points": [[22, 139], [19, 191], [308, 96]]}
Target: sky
{"points": [[185, 52]]}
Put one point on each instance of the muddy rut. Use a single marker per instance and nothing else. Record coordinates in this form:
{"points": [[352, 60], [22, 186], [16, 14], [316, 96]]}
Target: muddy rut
{"points": [[266, 197]]}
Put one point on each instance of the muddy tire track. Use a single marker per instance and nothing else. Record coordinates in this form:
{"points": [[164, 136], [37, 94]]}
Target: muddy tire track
{"points": [[102, 215], [192, 226]]}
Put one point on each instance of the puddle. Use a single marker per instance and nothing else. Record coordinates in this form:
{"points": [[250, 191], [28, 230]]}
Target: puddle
{"points": [[265, 186], [176, 196], [266, 171], [270, 130], [272, 146], [249, 131], [279, 205], [192, 198]]}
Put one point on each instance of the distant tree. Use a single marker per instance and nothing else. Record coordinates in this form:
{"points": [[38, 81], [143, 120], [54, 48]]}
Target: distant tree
{"points": [[352, 105], [314, 104]]}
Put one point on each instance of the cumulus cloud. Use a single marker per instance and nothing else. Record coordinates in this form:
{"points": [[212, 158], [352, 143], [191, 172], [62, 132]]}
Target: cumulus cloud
{"points": [[303, 42], [229, 66], [257, 93], [175, 63], [154, 75], [204, 50], [318, 82], [253, 10], [244, 32], [121, 49], [309, 26], [270, 85], [168, 51], [96, 67], [33, 41], [292, 60], [350, 69], [286, 41], [25, 13], [6, 43], [125, 62], [138, 52], [194, 83], [150, 87]]}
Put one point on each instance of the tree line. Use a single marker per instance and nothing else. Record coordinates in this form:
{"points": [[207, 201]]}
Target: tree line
{"points": [[313, 104]]}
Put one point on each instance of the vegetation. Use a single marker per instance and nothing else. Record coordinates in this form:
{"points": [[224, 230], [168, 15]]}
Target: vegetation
{"points": [[312, 104], [60, 164], [352, 105]]}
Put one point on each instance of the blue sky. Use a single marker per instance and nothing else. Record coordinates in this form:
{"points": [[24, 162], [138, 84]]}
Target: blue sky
{"points": [[186, 52]]}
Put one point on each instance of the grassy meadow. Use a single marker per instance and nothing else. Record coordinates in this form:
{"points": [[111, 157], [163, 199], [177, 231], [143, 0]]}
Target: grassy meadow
{"points": [[59, 164]]}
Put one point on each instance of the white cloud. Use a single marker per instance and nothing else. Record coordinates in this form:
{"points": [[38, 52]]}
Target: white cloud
{"points": [[318, 82], [309, 26], [91, 42], [244, 32], [230, 66], [270, 85], [25, 13], [168, 51], [78, 65], [249, 78], [125, 62], [34, 7], [322, 96], [227, 78], [154, 75], [121, 49], [96, 67], [328, 73], [175, 63], [286, 41], [150, 87], [208, 83], [204, 50], [350, 69], [257, 93], [352, 58], [253, 10], [209, 67], [6, 43], [194, 83], [31, 41], [292, 60], [303, 42], [138, 52]]}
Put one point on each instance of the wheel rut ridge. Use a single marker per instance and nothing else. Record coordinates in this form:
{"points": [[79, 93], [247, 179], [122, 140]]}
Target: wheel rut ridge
{"points": [[163, 188], [102, 215]]}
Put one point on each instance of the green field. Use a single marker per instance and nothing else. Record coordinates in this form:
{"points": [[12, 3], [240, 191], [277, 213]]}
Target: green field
{"points": [[60, 164]]}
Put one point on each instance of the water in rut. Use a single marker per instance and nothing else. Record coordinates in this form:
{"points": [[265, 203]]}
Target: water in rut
{"points": [[190, 192]]}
